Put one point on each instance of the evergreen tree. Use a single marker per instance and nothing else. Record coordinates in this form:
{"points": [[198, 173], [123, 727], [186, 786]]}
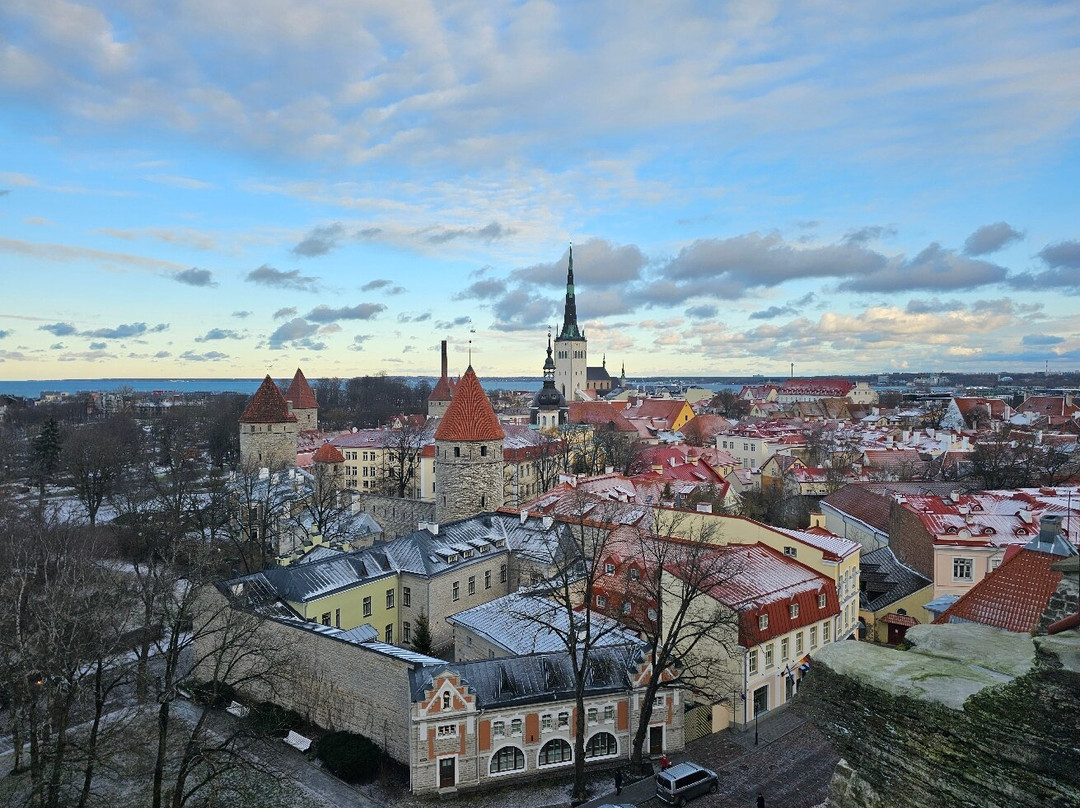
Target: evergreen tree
{"points": [[422, 635], [45, 457]]}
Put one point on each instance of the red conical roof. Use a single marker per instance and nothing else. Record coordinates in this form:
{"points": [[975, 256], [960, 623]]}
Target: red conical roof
{"points": [[469, 416], [328, 453], [443, 391], [300, 393], [267, 406]]}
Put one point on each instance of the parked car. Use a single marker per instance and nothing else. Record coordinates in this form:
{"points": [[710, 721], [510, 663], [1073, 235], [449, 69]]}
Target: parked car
{"points": [[684, 781]]}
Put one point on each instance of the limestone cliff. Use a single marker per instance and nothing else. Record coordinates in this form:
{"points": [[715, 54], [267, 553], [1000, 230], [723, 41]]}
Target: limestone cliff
{"points": [[968, 716]]}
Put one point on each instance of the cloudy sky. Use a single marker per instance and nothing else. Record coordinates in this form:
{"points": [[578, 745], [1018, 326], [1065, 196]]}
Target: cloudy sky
{"points": [[230, 187]]}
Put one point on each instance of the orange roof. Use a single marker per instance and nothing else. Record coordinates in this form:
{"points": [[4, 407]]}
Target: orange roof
{"points": [[469, 416], [267, 406], [1013, 597], [599, 414], [300, 393], [328, 453], [444, 390]]}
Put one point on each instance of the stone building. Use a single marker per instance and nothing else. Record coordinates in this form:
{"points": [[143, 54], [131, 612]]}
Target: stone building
{"points": [[468, 454], [302, 398], [268, 429]]}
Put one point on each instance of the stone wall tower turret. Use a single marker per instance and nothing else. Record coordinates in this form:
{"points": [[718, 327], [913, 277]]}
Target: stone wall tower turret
{"points": [[302, 398], [468, 454], [268, 430]]}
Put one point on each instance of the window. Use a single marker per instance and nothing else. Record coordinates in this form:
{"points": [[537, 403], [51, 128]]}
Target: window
{"points": [[555, 751], [502, 573], [457, 451], [498, 729], [634, 573], [447, 731], [326, 618], [592, 715], [564, 720], [658, 702], [602, 744], [406, 632], [406, 596], [793, 552], [483, 451], [652, 614], [769, 655], [609, 712], [821, 601], [337, 618], [813, 637], [962, 569], [507, 759], [487, 579], [515, 726], [751, 659], [793, 610], [457, 590], [825, 631], [446, 701], [601, 601], [545, 722], [762, 622], [389, 598], [389, 634], [798, 643], [472, 584], [783, 649], [367, 607], [626, 607]]}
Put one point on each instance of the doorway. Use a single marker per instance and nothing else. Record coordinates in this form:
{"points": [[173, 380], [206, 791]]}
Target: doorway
{"points": [[656, 740], [447, 778], [761, 700]]}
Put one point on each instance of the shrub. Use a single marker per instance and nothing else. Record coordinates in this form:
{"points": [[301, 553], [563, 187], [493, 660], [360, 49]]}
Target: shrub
{"points": [[353, 758], [214, 694], [268, 718]]}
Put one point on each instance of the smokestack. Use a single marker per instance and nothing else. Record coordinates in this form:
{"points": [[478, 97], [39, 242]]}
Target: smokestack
{"points": [[444, 368]]}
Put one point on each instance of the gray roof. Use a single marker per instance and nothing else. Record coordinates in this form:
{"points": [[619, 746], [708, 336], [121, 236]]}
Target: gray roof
{"points": [[317, 578], [524, 624], [885, 580], [538, 677]]}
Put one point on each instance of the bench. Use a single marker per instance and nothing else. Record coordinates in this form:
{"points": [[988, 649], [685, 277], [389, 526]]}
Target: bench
{"points": [[237, 709], [297, 741]]}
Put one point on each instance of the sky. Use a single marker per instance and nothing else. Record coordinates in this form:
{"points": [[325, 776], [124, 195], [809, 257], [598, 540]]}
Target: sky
{"points": [[222, 188]]}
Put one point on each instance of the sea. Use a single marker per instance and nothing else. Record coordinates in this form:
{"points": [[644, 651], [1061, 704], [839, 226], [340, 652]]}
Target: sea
{"points": [[35, 388]]}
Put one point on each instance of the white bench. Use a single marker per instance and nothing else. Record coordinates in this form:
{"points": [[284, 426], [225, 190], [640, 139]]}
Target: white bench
{"points": [[297, 741], [237, 709]]}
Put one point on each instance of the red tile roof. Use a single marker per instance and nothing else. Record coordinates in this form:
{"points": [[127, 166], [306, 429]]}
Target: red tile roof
{"points": [[328, 453], [444, 390], [470, 415], [267, 406], [599, 414], [1013, 597], [300, 393]]}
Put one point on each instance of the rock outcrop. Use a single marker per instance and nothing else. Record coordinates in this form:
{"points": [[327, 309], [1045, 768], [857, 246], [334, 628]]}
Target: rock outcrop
{"points": [[968, 716]]}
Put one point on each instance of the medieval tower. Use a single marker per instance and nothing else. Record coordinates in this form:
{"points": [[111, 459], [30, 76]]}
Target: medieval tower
{"points": [[571, 372], [302, 398], [468, 454], [268, 430], [443, 392]]}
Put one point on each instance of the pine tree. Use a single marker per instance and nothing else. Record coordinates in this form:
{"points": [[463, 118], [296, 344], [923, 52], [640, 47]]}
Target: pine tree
{"points": [[422, 635], [45, 457]]}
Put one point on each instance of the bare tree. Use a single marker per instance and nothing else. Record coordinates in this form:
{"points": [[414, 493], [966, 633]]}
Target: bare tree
{"points": [[399, 468], [667, 577], [95, 456]]}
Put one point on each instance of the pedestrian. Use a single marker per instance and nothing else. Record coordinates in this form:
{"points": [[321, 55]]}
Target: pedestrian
{"points": [[664, 763], [618, 781], [760, 800]]}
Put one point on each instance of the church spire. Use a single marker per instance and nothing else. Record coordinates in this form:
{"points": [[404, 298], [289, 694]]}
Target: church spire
{"points": [[570, 328]]}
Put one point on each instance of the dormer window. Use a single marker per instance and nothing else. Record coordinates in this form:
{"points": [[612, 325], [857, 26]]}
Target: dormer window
{"points": [[821, 601], [763, 622], [793, 610], [609, 569]]}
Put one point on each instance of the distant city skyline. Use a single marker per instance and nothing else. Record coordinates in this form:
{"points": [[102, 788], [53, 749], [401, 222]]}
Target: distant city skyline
{"points": [[231, 189]]}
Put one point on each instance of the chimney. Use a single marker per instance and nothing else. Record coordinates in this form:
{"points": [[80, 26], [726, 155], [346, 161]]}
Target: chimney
{"points": [[444, 367], [524, 516], [1049, 527], [430, 527]]}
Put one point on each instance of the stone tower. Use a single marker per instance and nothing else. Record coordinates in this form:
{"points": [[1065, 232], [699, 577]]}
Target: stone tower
{"points": [[571, 372], [549, 409], [302, 398], [268, 430], [443, 392], [468, 454]]}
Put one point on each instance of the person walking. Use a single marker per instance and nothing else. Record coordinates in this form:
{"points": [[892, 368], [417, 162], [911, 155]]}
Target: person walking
{"points": [[760, 800], [618, 781], [664, 763]]}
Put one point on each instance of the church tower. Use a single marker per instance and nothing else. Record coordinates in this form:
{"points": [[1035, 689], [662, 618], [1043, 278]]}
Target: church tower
{"points": [[468, 454], [570, 362], [549, 410]]}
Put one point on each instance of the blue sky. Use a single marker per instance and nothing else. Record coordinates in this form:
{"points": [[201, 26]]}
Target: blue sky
{"points": [[216, 188]]}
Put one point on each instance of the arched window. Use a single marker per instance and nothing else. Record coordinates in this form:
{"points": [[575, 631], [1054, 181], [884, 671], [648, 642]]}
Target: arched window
{"points": [[507, 759], [602, 744], [556, 751], [446, 701]]}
